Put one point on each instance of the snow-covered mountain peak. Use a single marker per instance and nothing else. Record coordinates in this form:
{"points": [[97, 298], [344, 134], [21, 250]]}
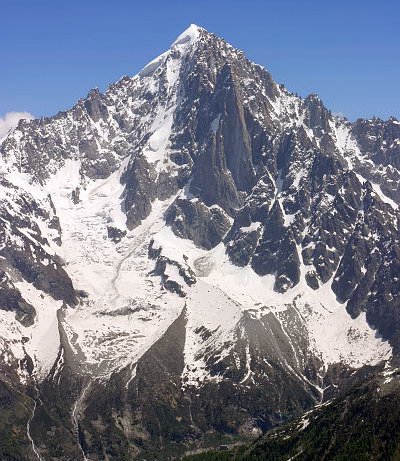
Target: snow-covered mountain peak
{"points": [[179, 49], [191, 34]]}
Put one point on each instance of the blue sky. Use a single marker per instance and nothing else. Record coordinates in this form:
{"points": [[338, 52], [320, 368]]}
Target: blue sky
{"points": [[53, 52]]}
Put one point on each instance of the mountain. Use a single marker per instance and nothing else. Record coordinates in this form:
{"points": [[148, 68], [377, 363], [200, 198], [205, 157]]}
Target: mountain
{"points": [[195, 254]]}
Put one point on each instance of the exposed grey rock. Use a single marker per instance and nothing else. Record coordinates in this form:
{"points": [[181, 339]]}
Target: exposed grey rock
{"points": [[193, 220], [115, 234], [11, 299]]}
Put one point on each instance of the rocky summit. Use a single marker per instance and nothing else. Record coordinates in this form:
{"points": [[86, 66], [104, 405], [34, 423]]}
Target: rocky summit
{"points": [[196, 255]]}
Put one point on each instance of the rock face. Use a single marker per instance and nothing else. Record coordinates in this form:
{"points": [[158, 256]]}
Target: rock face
{"points": [[205, 226], [195, 252]]}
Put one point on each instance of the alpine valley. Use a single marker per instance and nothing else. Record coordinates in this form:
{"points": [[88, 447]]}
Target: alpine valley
{"points": [[190, 259]]}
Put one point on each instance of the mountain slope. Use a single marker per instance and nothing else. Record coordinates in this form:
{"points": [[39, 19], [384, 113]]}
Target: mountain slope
{"points": [[195, 251], [360, 424]]}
